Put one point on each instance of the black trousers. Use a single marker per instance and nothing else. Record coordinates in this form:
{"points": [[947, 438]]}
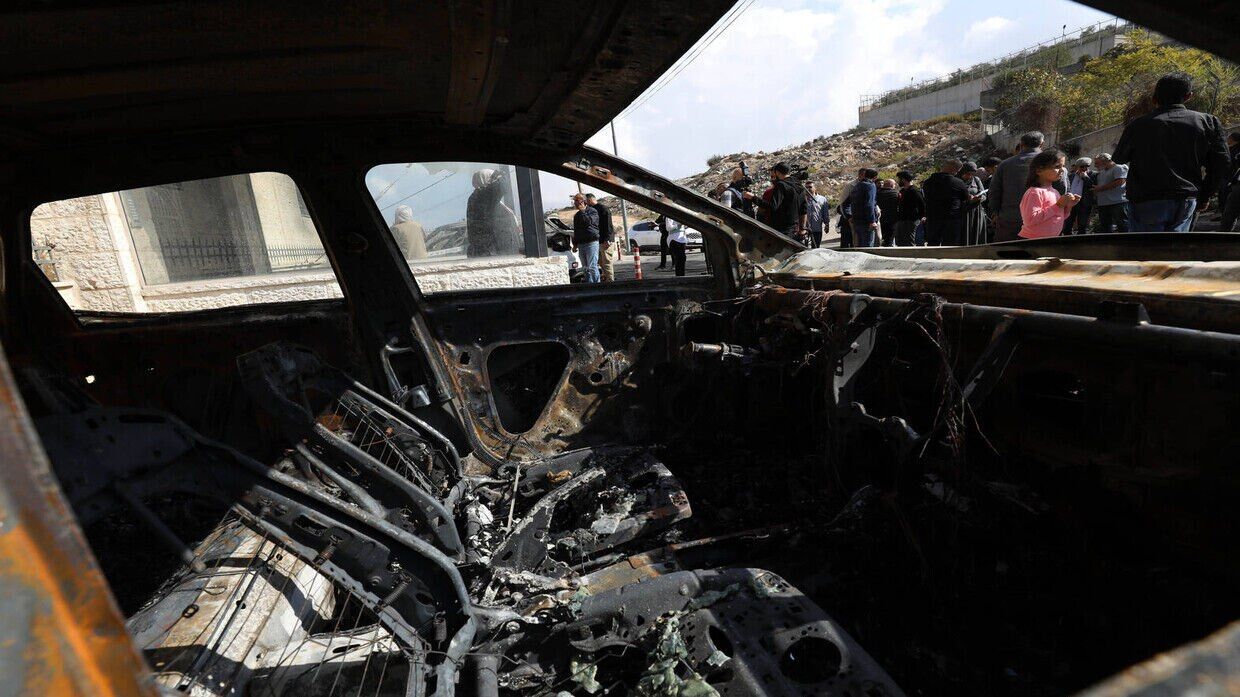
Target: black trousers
{"points": [[815, 234], [845, 232], [904, 230], [662, 249], [1077, 222], [887, 227], [1231, 209], [1113, 217], [944, 232], [677, 250]]}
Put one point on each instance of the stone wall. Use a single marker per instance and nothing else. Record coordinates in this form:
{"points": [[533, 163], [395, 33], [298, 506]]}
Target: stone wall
{"points": [[97, 269], [94, 263], [501, 272], [465, 274], [243, 290]]}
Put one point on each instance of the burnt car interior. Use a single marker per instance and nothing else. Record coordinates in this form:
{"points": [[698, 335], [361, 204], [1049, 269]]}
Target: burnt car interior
{"points": [[750, 483]]}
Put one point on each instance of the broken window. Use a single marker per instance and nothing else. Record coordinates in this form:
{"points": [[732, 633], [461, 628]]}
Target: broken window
{"points": [[476, 225], [203, 244]]}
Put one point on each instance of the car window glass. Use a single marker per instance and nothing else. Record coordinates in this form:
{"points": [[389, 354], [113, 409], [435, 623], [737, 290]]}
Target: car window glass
{"points": [[210, 243], [475, 225]]}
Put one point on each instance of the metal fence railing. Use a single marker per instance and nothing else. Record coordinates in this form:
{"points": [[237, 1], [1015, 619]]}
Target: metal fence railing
{"points": [[188, 260], [287, 258], [1015, 60]]}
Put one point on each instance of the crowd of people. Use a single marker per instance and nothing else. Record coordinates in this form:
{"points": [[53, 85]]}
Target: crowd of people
{"points": [[1166, 163], [1167, 168]]}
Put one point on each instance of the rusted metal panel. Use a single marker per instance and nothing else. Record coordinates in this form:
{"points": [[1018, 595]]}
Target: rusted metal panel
{"points": [[1209, 668], [61, 633], [1201, 295]]}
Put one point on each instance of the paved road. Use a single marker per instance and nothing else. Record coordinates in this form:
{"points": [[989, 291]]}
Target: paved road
{"points": [[695, 264]]}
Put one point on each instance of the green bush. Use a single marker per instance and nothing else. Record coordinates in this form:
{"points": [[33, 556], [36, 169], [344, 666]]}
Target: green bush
{"points": [[1116, 87]]}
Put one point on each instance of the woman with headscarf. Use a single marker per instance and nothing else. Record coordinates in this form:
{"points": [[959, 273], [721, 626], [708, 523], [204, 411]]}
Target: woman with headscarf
{"points": [[975, 208], [490, 225], [409, 235]]}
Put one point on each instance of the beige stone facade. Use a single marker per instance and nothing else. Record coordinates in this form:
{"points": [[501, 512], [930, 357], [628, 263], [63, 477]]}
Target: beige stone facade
{"points": [[87, 248]]}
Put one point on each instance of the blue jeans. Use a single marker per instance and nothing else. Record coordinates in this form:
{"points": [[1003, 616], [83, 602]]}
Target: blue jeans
{"points": [[1164, 215], [587, 252], [919, 234]]}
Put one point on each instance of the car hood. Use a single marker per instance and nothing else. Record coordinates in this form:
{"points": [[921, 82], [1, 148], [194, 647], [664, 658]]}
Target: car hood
{"points": [[1179, 292]]}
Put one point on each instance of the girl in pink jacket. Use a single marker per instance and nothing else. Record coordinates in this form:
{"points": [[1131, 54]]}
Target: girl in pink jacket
{"points": [[1042, 208]]}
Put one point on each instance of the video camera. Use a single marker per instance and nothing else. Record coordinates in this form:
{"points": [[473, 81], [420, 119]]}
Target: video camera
{"points": [[745, 181]]}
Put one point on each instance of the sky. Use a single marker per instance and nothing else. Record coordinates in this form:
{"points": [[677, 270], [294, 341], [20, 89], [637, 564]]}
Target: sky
{"points": [[784, 72], [788, 71]]}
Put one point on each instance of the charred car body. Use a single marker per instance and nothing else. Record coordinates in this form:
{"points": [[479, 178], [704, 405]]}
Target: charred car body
{"points": [[1007, 469]]}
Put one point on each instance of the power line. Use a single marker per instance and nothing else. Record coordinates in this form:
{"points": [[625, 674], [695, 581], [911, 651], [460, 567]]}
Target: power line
{"points": [[691, 56], [723, 25], [438, 181], [381, 194]]}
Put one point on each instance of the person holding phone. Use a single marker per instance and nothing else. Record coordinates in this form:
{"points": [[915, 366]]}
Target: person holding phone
{"points": [[1043, 209]]}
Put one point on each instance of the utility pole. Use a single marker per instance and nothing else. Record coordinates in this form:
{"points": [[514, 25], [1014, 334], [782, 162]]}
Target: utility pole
{"points": [[624, 211]]}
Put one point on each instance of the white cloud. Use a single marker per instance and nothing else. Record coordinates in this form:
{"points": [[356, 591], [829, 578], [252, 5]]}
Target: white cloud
{"points": [[787, 71], [782, 75], [988, 28]]}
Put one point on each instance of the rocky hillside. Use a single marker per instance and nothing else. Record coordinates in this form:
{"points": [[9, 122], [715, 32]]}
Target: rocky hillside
{"points": [[833, 161]]}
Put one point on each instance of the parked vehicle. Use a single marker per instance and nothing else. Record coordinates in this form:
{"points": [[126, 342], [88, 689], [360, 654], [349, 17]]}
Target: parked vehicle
{"points": [[645, 235], [560, 243]]}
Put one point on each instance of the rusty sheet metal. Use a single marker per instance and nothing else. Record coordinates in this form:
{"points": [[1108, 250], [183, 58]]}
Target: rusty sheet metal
{"points": [[61, 633], [614, 338], [671, 558], [1203, 295], [1209, 668]]}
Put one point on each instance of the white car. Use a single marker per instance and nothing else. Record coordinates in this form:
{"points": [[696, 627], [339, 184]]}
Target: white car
{"points": [[646, 235]]}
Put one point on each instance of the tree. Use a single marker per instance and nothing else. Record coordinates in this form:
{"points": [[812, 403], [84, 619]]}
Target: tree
{"points": [[1119, 86], [1032, 99]]}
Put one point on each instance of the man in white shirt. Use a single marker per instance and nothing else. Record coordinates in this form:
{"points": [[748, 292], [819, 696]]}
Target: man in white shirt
{"points": [[677, 243], [817, 214], [1110, 195]]}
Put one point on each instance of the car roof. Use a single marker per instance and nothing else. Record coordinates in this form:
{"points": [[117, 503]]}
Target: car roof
{"points": [[548, 73]]}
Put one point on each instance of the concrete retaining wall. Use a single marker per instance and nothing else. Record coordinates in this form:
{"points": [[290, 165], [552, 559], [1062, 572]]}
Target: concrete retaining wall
{"points": [[967, 96], [957, 99]]}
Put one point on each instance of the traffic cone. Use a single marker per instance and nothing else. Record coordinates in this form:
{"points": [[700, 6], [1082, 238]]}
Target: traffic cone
{"points": [[637, 263]]}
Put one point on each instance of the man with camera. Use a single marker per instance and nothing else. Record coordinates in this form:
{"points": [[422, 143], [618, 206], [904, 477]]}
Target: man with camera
{"points": [[817, 214], [787, 211], [734, 196]]}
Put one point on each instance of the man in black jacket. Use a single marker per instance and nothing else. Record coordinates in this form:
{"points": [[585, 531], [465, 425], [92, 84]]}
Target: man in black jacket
{"points": [[787, 205], [1166, 151], [1229, 193], [911, 211], [606, 240], [946, 199], [888, 201], [585, 237], [1080, 182]]}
